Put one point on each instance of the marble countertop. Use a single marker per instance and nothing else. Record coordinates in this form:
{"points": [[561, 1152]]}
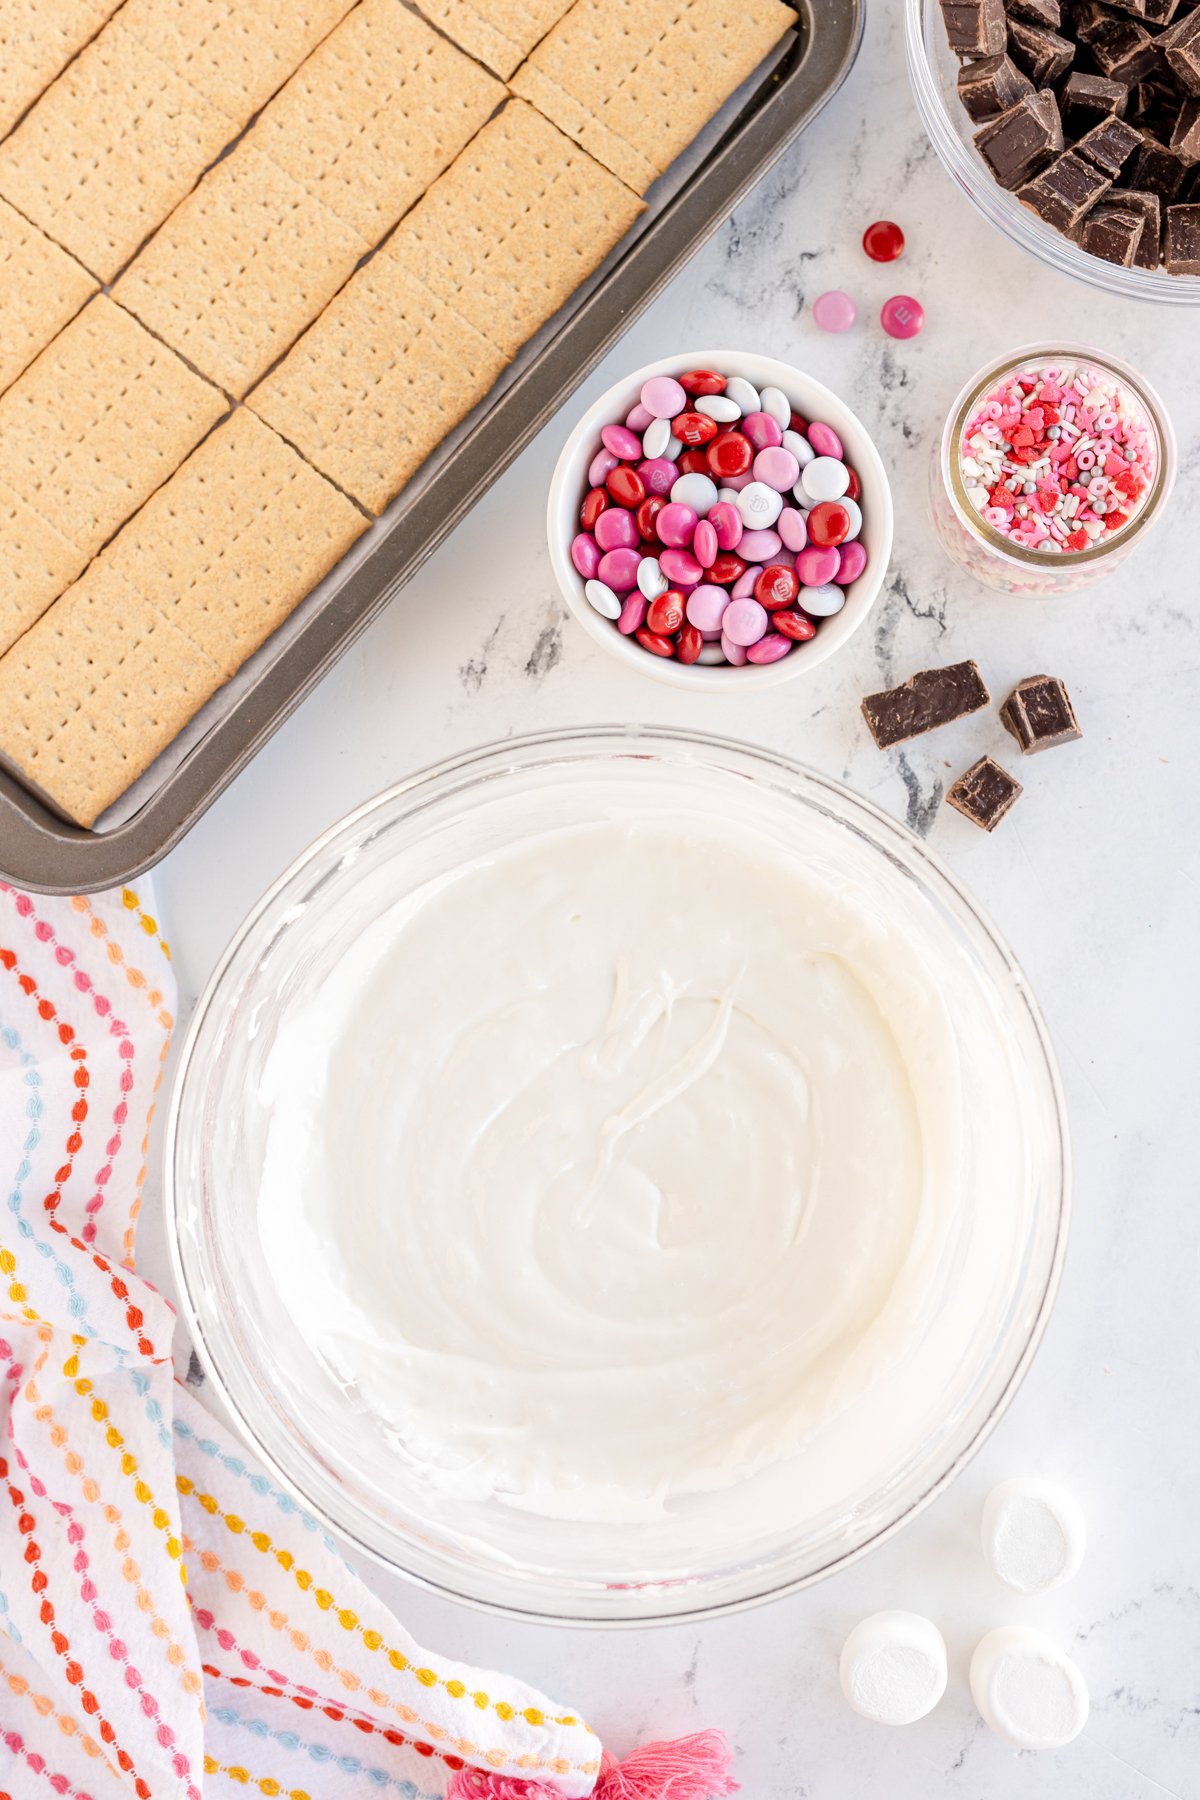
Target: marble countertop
{"points": [[1093, 879]]}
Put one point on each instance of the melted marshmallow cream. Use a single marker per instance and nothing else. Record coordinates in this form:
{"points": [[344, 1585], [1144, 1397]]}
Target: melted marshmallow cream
{"points": [[608, 1169]]}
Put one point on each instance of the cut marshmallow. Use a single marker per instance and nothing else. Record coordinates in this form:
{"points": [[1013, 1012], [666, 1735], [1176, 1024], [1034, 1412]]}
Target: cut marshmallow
{"points": [[893, 1667], [1028, 1691], [1034, 1534]]}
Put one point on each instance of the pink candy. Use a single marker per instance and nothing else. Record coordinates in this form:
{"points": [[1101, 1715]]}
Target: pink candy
{"points": [[743, 587], [663, 397], [679, 566], [598, 468], [759, 546], [658, 474], [624, 444], [707, 606], [585, 554], [815, 566], [778, 467], [763, 431], [769, 649], [616, 529], [618, 569], [675, 525], [826, 442], [633, 613], [852, 560], [791, 528], [726, 521], [705, 545], [745, 622]]}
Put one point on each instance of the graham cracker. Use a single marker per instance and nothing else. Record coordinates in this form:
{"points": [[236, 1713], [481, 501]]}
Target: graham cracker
{"points": [[41, 288], [235, 53], [93, 426], [109, 149], [36, 564], [501, 33], [376, 114], [38, 38], [377, 382], [518, 221], [240, 268], [610, 66]]}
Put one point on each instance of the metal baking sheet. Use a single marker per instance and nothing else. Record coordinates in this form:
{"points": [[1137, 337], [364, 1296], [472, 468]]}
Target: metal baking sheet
{"points": [[39, 850]]}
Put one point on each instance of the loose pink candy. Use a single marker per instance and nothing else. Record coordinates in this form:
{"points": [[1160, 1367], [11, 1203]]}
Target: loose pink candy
{"points": [[707, 607], [659, 474], [814, 566], [902, 316], [726, 521], [745, 622], [598, 468], [679, 566], [585, 554], [757, 546], [769, 649], [639, 418], [834, 311], [633, 613], [791, 528], [616, 529], [705, 547], [734, 653], [676, 524], [762, 430], [852, 560], [743, 587], [663, 398], [624, 444], [826, 442], [618, 569], [778, 468]]}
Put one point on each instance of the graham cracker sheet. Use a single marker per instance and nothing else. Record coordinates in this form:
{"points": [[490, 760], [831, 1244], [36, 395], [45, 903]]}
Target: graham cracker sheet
{"points": [[500, 33], [38, 38], [41, 289], [633, 81]]}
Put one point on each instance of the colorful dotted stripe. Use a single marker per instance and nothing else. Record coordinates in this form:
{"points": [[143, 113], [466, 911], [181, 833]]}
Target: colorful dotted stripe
{"points": [[308, 1700], [321, 1753], [132, 904], [260, 1484], [13, 1741], [98, 1410], [45, 1708]]}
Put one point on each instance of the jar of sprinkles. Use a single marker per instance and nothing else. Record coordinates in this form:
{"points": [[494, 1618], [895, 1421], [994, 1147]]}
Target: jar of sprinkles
{"points": [[1053, 464]]}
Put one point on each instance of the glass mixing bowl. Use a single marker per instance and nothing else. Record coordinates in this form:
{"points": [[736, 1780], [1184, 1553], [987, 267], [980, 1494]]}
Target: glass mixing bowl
{"points": [[789, 1524], [933, 71]]}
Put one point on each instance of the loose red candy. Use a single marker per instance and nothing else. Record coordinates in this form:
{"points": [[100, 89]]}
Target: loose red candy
{"points": [[724, 569], [883, 241], [694, 428], [729, 454], [666, 613], [595, 501], [647, 512], [702, 381], [794, 625], [625, 485], [828, 525], [776, 586], [657, 646], [693, 462]]}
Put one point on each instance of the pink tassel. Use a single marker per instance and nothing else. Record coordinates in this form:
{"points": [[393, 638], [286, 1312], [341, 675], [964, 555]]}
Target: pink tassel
{"points": [[690, 1768]]}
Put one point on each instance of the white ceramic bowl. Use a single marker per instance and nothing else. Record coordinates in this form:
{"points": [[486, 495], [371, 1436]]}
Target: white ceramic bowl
{"points": [[813, 401]]}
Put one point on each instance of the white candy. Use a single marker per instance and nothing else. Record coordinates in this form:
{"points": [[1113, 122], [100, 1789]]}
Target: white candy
{"points": [[854, 514], [696, 491], [728, 494], [825, 478], [1034, 1534], [711, 654], [1028, 1691], [759, 505], [719, 407], [601, 596], [893, 1667], [656, 437], [822, 602], [799, 446], [674, 449], [651, 579], [776, 404], [746, 396]]}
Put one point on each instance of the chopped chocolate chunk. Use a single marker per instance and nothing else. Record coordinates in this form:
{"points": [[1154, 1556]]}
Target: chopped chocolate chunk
{"points": [[1157, 168], [1065, 191], [1038, 12], [1109, 145], [926, 700], [1043, 55], [1154, 12], [990, 86], [984, 794], [1021, 140], [1114, 234], [1121, 49], [1180, 46], [1087, 99], [1181, 250], [1149, 206], [1185, 140], [1154, 105], [975, 27], [1039, 714]]}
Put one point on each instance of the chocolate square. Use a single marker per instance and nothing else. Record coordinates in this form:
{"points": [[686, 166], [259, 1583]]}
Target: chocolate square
{"points": [[1114, 234], [1021, 140], [1039, 714], [1065, 191], [990, 86], [1085, 100], [930, 698], [975, 27], [1180, 46], [1121, 49], [1043, 55], [1109, 145], [1181, 247], [1037, 12], [1185, 140], [1151, 12], [985, 793], [1153, 106], [1157, 168], [1149, 207]]}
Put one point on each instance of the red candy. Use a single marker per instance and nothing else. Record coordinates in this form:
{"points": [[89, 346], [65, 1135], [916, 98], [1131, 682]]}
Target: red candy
{"points": [[693, 462], [729, 454], [657, 646], [828, 525], [854, 491], [794, 625], [625, 485], [883, 241], [595, 501], [725, 569], [693, 428], [690, 644], [647, 512], [666, 613], [777, 586], [799, 424], [702, 381]]}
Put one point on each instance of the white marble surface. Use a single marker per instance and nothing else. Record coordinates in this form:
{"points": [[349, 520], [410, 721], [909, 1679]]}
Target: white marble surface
{"points": [[1093, 879]]}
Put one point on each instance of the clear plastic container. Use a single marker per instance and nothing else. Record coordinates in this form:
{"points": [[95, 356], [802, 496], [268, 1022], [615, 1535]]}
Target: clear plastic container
{"points": [[933, 72], [996, 560], [708, 1552]]}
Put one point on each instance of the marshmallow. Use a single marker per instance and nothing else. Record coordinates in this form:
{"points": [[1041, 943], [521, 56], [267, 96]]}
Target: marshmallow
{"points": [[893, 1667], [1034, 1535], [1028, 1691]]}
